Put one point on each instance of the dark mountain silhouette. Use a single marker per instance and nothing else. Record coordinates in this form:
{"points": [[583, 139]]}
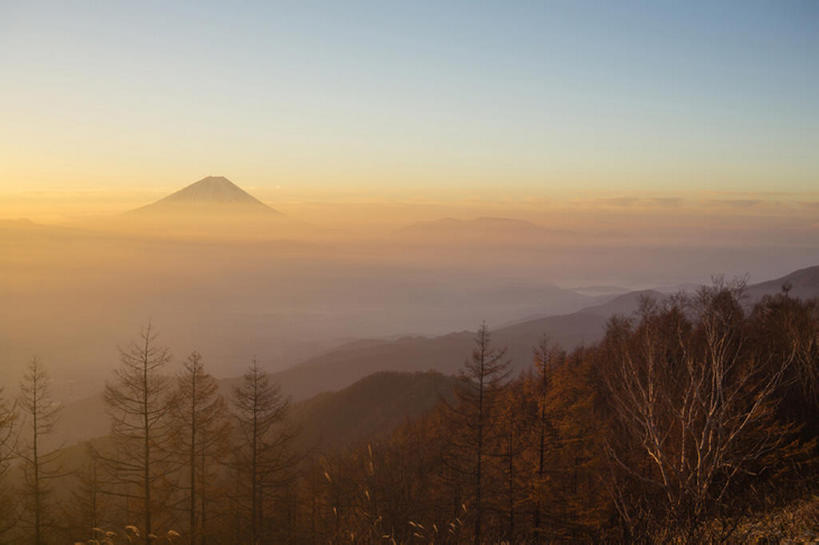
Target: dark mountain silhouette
{"points": [[624, 304], [343, 366], [214, 193], [444, 354], [369, 409]]}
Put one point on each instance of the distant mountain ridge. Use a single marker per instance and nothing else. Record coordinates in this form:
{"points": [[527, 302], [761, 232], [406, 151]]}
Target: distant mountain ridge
{"points": [[803, 283], [214, 193], [344, 369], [446, 353], [482, 229], [626, 303]]}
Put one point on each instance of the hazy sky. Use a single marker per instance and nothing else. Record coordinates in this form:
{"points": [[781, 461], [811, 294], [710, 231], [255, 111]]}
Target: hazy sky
{"points": [[524, 97]]}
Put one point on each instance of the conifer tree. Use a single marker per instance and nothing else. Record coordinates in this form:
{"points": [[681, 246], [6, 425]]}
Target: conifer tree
{"points": [[8, 415], [264, 456], [200, 413], [139, 402], [510, 443], [546, 357], [87, 500], [40, 414], [472, 416]]}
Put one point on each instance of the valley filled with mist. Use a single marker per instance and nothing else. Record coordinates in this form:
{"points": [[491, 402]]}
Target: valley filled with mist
{"points": [[217, 270], [351, 343]]}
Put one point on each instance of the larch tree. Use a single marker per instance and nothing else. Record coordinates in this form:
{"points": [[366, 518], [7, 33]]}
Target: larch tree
{"points": [[39, 414], [262, 459], [200, 414], [547, 356], [472, 415], [8, 415], [510, 442], [86, 508], [139, 400]]}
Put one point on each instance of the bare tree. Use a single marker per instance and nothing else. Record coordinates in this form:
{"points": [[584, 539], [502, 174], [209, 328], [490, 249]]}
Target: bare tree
{"points": [[86, 507], [693, 401], [783, 324], [200, 413], [483, 378], [139, 402], [264, 455], [40, 414], [8, 416]]}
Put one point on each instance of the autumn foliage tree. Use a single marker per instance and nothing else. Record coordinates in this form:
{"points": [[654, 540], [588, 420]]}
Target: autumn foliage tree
{"points": [[472, 416], [686, 423], [685, 419], [547, 357]]}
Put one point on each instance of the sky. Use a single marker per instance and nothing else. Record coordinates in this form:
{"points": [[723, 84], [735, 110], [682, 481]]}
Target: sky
{"points": [[647, 143], [451, 99]]}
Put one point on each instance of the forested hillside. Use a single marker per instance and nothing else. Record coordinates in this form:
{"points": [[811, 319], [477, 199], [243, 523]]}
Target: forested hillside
{"points": [[693, 420]]}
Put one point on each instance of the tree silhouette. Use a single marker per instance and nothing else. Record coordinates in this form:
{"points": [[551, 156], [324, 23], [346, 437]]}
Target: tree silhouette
{"points": [[139, 403], [472, 416], [40, 414], [263, 455], [200, 414], [8, 416]]}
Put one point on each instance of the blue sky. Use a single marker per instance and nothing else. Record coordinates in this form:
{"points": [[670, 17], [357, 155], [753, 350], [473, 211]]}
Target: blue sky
{"points": [[533, 95]]}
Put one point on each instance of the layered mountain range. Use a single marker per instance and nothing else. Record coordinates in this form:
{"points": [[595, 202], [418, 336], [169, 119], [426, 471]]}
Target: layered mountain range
{"points": [[349, 386]]}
